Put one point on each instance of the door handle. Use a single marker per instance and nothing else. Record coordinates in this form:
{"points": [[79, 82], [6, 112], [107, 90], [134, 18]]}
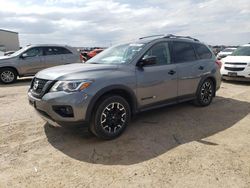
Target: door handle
{"points": [[201, 67], [171, 72]]}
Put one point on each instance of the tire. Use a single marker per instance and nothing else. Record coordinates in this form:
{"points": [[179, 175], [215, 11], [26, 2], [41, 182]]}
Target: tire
{"points": [[110, 118], [8, 75], [205, 93]]}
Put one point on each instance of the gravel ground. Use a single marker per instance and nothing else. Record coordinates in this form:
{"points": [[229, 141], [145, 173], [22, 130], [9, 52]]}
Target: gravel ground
{"points": [[177, 146]]}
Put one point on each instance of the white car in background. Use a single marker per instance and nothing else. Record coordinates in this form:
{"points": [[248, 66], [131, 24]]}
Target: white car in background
{"points": [[226, 52], [237, 65], [1, 53]]}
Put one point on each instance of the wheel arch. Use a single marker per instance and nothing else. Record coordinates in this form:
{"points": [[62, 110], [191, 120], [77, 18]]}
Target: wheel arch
{"points": [[211, 77], [10, 67], [120, 90]]}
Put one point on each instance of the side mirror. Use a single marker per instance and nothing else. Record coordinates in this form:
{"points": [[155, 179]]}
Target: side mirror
{"points": [[149, 60], [24, 55]]}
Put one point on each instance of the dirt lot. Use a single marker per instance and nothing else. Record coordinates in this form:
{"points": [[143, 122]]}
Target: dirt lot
{"points": [[178, 146]]}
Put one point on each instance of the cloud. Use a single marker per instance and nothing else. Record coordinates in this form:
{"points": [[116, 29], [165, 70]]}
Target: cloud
{"points": [[98, 22]]}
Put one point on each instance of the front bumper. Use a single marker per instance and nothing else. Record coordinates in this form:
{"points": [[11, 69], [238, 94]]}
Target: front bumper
{"points": [[243, 75], [79, 102]]}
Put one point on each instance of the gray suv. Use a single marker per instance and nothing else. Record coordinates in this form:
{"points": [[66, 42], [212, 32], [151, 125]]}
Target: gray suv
{"points": [[31, 59], [124, 80]]}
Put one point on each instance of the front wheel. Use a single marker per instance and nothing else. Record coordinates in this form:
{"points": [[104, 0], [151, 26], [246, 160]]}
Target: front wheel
{"points": [[111, 117], [8, 75], [205, 93]]}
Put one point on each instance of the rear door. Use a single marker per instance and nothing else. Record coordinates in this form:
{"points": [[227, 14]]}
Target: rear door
{"points": [[188, 66], [31, 61], [52, 56], [68, 56], [157, 82]]}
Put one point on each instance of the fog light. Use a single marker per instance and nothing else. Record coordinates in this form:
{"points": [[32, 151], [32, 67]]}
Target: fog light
{"points": [[64, 111]]}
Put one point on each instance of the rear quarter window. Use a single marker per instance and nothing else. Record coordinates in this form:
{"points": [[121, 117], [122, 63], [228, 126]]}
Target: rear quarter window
{"points": [[61, 50], [183, 52], [65, 51], [202, 51]]}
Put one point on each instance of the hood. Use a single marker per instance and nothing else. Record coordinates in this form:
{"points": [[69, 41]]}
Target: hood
{"points": [[75, 71], [5, 58], [235, 59], [224, 53]]}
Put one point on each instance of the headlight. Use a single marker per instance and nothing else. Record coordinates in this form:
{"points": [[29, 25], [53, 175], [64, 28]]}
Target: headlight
{"points": [[70, 86]]}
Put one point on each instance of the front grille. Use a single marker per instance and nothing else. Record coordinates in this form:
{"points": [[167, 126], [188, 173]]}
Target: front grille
{"points": [[40, 86], [234, 68], [236, 63]]}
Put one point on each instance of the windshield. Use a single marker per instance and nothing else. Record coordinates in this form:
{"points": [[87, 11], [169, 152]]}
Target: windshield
{"points": [[19, 51], [117, 54], [242, 51]]}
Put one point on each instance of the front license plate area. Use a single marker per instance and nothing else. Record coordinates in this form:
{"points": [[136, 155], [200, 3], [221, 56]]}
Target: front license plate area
{"points": [[233, 74]]}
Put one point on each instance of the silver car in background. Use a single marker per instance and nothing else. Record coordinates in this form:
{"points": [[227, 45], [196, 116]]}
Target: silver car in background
{"points": [[31, 59]]}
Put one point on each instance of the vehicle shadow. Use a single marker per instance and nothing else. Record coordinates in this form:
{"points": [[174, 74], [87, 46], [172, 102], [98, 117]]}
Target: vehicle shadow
{"points": [[20, 82], [151, 133], [244, 83]]}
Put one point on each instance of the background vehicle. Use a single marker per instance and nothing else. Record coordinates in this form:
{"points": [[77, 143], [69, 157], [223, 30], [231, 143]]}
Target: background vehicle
{"points": [[88, 55], [224, 53], [31, 59], [8, 53], [94, 52], [124, 80], [237, 65], [1, 53]]}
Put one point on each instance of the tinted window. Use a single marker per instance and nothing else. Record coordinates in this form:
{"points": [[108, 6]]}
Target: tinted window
{"points": [[63, 50], [34, 52], [161, 51], [202, 51], [48, 51], [183, 52], [56, 51]]}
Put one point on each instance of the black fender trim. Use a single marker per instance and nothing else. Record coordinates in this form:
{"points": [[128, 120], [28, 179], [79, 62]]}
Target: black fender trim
{"points": [[208, 76], [108, 89]]}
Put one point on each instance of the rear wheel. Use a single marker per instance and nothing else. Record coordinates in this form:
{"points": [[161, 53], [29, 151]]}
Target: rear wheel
{"points": [[111, 117], [8, 75], [205, 93]]}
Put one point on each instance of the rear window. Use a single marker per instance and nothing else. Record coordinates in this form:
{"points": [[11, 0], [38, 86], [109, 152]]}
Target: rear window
{"points": [[202, 51], [183, 52]]}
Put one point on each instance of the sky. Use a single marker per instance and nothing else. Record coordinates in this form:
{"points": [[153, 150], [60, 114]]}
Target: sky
{"points": [[108, 22]]}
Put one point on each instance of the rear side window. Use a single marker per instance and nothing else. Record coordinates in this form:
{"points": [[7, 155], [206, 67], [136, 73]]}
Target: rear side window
{"points": [[56, 51], [183, 52], [63, 50], [202, 51]]}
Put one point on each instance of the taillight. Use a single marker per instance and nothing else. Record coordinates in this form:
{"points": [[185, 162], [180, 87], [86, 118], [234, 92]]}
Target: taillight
{"points": [[219, 63], [81, 58]]}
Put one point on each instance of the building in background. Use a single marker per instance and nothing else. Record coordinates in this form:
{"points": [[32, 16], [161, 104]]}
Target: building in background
{"points": [[9, 40]]}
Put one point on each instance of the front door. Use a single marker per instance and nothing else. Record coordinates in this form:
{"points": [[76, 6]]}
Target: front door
{"points": [[31, 61], [157, 82]]}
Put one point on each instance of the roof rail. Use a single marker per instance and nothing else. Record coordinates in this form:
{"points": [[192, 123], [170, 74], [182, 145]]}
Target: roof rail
{"points": [[170, 36], [181, 37], [150, 36]]}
